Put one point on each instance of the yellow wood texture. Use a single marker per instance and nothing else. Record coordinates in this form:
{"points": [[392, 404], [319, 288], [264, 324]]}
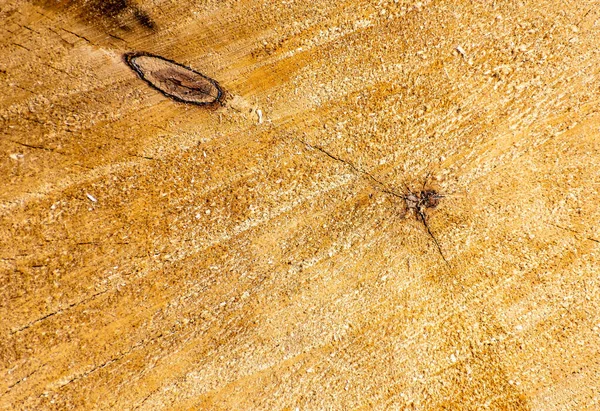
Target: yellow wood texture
{"points": [[157, 255]]}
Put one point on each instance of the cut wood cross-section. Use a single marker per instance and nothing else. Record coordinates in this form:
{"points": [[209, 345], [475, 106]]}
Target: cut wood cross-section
{"points": [[257, 253]]}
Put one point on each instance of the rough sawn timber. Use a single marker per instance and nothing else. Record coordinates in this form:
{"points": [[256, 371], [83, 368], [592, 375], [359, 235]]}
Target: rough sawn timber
{"points": [[157, 255]]}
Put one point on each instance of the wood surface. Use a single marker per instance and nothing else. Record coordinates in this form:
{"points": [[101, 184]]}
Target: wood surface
{"points": [[158, 255]]}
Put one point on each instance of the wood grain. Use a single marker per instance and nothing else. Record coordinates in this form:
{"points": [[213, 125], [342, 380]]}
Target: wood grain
{"points": [[157, 255]]}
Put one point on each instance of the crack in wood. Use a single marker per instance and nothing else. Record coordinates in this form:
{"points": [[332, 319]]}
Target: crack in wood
{"points": [[77, 35], [59, 311], [575, 232], [11, 386], [421, 216], [35, 147]]}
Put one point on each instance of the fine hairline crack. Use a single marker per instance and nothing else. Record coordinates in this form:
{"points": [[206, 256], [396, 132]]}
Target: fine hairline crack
{"points": [[353, 167], [420, 213]]}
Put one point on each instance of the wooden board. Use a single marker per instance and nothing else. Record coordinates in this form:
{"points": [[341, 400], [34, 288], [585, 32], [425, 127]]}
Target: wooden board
{"points": [[159, 255]]}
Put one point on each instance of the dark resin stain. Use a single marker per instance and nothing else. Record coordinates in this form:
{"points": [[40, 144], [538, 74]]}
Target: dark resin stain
{"points": [[175, 80], [114, 13], [115, 8]]}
